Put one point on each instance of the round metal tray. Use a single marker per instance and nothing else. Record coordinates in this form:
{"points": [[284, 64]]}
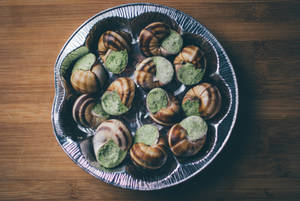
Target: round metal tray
{"points": [[76, 141]]}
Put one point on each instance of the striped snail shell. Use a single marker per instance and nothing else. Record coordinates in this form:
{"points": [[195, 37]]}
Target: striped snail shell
{"points": [[119, 96], [151, 39], [88, 76], [180, 143], [205, 99], [168, 114], [116, 131], [149, 157], [111, 40], [87, 112], [154, 72], [111, 142], [193, 56]]}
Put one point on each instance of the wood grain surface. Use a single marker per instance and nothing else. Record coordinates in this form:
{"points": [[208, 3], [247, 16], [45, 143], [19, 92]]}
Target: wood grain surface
{"points": [[261, 160]]}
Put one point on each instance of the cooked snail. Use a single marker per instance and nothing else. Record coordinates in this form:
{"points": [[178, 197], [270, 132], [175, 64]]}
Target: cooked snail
{"points": [[202, 100], [149, 149], [164, 108], [87, 75], [190, 65], [188, 137], [111, 143], [154, 72], [113, 48], [88, 112], [118, 97], [159, 39]]}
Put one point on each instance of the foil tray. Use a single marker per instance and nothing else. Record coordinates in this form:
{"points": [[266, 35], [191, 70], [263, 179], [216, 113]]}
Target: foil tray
{"points": [[76, 140]]}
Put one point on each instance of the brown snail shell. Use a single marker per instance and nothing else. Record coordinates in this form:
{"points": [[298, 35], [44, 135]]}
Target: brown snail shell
{"points": [[151, 36], [125, 87], [169, 115], [179, 143], [190, 54], [111, 40], [209, 97], [144, 74], [149, 157], [90, 81], [116, 131], [83, 112]]}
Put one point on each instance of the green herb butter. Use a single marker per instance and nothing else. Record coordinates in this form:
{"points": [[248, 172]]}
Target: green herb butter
{"points": [[116, 61], [173, 43], [164, 69], [110, 155], [189, 75], [85, 63], [98, 110], [156, 99], [195, 126], [147, 134], [191, 107], [112, 104]]}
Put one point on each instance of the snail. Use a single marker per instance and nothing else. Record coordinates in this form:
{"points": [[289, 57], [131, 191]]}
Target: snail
{"points": [[111, 142], [159, 39], [88, 112], [88, 76], [187, 137], [163, 107], [149, 149], [154, 72], [190, 65], [113, 48], [118, 97], [202, 100]]}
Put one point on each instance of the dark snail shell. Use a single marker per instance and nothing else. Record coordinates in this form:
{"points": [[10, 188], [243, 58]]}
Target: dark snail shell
{"points": [[209, 98], [193, 55], [180, 145], [145, 73], [125, 87], [111, 40], [149, 157], [89, 81], [168, 115], [116, 131], [84, 114], [151, 37]]}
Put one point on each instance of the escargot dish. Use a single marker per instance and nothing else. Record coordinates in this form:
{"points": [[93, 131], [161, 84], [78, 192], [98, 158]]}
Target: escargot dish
{"points": [[154, 72], [203, 100], [113, 48], [88, 76], [188, 137], [149, 149], [190, 65], [111, 142], [88, 112], [159, 39], [118, 97], [163, 107]]}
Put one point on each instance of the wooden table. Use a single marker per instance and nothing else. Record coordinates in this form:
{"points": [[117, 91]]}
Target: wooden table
{"points": [[261, 160]]}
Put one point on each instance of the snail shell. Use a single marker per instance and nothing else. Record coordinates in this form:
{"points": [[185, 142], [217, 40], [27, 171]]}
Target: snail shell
{"points": [[84, 114], [149, 157], [116, 131], [145, 73], [151, 37], [179, 143], [125, 87], [110, 40], [168, 115], [89, 81], [209, 98], [190, 54]]}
